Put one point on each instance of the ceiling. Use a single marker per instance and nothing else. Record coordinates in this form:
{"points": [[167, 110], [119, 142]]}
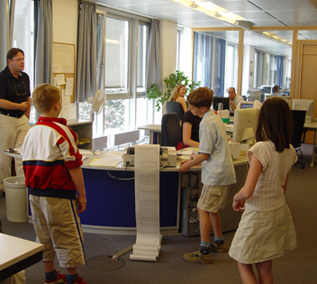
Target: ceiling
{"points": [[261, 13]]}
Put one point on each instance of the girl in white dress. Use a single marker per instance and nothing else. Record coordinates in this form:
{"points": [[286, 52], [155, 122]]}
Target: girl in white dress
{"points": [[266, 228]]}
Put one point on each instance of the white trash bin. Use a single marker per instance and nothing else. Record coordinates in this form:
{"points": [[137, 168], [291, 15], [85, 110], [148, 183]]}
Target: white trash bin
{"points": [[16, 199]]}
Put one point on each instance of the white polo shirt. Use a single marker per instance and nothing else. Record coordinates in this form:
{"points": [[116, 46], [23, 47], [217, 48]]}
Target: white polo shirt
{"points": [[218, 169]]}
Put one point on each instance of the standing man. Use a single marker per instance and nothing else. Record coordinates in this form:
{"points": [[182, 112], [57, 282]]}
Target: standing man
{"points": [[15, 104], [234, 99]]}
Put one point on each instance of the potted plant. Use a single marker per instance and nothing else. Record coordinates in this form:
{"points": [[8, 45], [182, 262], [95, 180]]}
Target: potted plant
{"points": [[173, 79]]}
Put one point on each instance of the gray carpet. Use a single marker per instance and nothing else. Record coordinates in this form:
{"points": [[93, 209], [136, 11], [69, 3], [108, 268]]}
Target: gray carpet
{"points": [[296, 266]]}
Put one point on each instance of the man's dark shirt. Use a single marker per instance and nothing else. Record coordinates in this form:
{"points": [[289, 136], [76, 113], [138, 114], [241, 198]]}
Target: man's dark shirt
{"points": [[15, 90]]}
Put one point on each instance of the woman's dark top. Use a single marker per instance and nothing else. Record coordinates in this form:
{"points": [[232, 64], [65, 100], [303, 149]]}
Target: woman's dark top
{"points": [[194, 120]]}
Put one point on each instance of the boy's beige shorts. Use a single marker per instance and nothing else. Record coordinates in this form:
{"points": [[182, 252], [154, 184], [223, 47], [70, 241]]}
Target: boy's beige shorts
{"points": [[213, 198], [58, 228]]}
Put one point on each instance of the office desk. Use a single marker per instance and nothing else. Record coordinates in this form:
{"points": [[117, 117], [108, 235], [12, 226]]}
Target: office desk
{"points": [[17, 254], [312, 127], [111, 202], [155, 131]]}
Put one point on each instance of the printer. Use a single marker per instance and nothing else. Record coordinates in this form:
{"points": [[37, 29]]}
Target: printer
{"points": [[168, 157]]}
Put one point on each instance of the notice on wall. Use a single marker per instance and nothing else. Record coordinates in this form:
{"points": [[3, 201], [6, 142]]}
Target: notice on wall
{"points": [[147, 186]]}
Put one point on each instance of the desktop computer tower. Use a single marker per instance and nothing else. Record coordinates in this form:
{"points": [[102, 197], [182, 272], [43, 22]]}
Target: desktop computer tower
{"points": [[190, 192]]}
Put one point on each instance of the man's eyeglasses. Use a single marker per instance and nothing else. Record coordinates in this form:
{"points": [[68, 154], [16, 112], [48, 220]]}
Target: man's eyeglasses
{"points": [[19, 88]]}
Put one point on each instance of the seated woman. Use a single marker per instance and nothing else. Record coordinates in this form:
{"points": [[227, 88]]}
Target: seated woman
{"points": [[190, 131], [178, 94]]}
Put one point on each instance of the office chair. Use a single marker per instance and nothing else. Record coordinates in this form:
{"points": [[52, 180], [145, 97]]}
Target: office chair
{"points": [[171, 130], [176, 108], [298, 127]]}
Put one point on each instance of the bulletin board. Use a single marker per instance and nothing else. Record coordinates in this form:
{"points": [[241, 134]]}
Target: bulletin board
{"points": [[64, 67]]}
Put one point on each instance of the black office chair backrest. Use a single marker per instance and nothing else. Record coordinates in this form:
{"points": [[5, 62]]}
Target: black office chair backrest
{"points": [[298, 126], [170, 130], [175, 107]]}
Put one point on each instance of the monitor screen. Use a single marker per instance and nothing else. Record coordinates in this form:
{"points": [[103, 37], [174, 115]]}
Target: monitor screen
{"points": [[267, 89], [223, 100], [245, 124], [246, 105], [307, 105]]}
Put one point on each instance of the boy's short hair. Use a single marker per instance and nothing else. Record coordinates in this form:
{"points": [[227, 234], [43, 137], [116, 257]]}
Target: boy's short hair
{"points": [[44, 97], [201, 97]]}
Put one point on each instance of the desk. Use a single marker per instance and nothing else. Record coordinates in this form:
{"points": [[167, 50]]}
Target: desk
{"points": [[111, 202], [155, 131], [312, 127], [17, 254]]}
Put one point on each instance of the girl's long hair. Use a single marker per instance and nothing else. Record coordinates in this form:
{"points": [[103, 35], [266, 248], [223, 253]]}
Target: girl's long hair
{"points": [[275, 123], [174, 94]]}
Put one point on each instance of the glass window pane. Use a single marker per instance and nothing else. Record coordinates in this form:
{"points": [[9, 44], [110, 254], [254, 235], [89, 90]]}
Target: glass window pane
{"points": [[143, 32], [203, 59], [116, 116], [117, 55], [23, 37]]}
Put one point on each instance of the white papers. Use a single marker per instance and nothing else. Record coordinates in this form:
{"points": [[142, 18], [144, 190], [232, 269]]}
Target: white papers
{"points": [[146, 171], [60, 79], [57, 69], [65, 113], [69, 86], [110, 161]]}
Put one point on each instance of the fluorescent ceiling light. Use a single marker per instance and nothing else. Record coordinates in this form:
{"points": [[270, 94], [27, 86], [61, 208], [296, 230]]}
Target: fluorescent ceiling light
{"points": [[211, 10], [277, 38], [112, 41]]}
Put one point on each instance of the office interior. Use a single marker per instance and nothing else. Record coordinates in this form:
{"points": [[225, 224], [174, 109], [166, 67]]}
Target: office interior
{"points": [[271, 30], [267, 34]]}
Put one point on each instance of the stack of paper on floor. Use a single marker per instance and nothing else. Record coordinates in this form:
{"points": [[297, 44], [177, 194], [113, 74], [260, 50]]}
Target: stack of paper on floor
{"points": [[147, 197]]}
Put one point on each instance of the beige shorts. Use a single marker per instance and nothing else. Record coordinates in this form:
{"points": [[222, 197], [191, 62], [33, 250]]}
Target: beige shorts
{"points": [[213, 198], [58, 228]]}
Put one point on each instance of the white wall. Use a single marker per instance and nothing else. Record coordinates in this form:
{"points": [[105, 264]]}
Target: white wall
{"points": [[65, 30]]}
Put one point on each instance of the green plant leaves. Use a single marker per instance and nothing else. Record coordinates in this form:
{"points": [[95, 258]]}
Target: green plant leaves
{"points": [[174, 79]]}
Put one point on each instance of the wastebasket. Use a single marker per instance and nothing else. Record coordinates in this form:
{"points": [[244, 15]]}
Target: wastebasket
{"points": [[16, 198]]}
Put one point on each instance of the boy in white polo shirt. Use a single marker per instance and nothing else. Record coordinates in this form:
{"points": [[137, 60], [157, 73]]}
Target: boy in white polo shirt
{"points": [[217, 174]]}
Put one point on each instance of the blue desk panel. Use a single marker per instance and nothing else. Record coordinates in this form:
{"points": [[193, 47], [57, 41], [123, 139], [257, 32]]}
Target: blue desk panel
{"points": [[111, 202]]}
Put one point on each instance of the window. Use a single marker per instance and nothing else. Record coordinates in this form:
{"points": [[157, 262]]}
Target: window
{"points": [[203, 59], [231, 79], [143, 38], [269, 70], [125, 53], [178, 47], [215, 62], [117, 55], [23, 37]]}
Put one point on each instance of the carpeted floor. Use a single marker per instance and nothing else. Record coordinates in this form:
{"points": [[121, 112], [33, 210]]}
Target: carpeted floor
{"points": [[296, 266]]}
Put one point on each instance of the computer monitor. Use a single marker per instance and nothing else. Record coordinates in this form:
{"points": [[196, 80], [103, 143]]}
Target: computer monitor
{"points": [[245, 124], [223, 100], [246, 105], [307, 105], [255, 104], [254, 94], [267, 89]]}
